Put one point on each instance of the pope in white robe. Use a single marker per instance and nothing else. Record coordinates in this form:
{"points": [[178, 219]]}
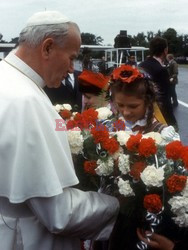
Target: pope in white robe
{"points": [[39, 208]]}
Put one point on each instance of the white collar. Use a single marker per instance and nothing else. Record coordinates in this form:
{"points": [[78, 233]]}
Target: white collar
{"points": [[16, 62], [70, 78], [159, 60], [141, 122]]}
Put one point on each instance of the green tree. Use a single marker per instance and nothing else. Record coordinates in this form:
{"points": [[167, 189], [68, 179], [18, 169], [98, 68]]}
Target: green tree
{"points": [[150, 35], [140, 39], [91, 39], [173, 43]]}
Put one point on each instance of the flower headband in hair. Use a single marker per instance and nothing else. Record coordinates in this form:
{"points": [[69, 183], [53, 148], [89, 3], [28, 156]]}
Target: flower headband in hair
{"points": [[126, 74]]}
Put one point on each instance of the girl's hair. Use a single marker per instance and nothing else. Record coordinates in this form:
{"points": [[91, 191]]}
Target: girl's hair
{"points": [[141, 88]]}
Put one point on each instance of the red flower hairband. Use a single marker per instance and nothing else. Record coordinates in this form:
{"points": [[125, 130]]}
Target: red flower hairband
{"points": [[126, 74]]}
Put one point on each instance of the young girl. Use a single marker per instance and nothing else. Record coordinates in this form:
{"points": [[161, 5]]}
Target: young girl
{"points": [[94, 87], [134, 97]]}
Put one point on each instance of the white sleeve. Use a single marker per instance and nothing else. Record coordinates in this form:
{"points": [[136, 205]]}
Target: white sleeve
{"points": [[86, 215]]}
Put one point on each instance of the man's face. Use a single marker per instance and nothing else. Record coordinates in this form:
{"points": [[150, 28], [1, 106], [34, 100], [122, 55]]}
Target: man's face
{"points": [[61, 59]]}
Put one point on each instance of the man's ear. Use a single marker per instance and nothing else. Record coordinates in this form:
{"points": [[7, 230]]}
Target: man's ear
{"points": [[47, 47], [166, 51]]}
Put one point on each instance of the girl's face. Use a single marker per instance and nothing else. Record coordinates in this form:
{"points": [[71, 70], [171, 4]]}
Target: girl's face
{"points": [[131, 108], [94, 101], [90, 100]]}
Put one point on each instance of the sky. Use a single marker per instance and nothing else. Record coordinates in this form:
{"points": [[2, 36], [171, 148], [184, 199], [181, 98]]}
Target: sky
{"points": [[103, 18]]}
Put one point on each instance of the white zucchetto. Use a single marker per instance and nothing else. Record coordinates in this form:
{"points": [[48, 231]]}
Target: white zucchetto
{"points": [[47, 17]]}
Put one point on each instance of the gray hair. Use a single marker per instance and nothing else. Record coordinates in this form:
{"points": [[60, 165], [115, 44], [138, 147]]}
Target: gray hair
{"points": [[170, 56], [34, 35]]}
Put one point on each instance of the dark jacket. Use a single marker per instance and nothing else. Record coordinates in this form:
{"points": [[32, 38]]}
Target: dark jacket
{"points": [[160, 77], [65, 94]]}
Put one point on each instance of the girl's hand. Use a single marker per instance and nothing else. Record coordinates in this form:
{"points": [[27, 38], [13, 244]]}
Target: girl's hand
{"points": [[156, 241]]}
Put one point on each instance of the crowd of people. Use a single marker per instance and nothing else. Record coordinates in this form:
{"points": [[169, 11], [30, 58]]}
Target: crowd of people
{"points": [[40, 207]]}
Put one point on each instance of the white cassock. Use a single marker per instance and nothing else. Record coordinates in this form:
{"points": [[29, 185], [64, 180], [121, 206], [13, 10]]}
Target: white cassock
{"points": [[39, 209]]}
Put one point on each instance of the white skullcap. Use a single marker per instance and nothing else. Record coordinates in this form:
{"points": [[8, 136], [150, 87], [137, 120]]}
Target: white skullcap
{"points": [[47, 17]]}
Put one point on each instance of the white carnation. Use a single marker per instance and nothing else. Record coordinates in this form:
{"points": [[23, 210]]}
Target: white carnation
{"points": [[76, 140], [152, 176], [103, 113], [59, 107], [105, 167], [66, 106], [125, 188], [182, 220], [179, 205], [154, 135], [123, 163], [122, 137]]}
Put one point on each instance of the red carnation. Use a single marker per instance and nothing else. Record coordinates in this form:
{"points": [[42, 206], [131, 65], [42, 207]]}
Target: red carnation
{"points": [[111, 145], [152, 202], [100, 134], [176, 183], [71, 124], [136, 169], [133, 142], [90, 116], [173, 150], [184, 156], [147, 147], [89, 167], [65, 114]]}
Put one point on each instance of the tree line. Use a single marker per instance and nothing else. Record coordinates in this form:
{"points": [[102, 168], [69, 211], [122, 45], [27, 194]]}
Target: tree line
{"points": [[178, 44]]}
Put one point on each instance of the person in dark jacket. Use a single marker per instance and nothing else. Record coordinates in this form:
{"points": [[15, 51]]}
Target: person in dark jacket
{"points": [[68, 92], [154, 65], [173, 77]]}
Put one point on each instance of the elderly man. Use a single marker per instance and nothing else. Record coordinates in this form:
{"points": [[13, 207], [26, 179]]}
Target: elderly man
{"points": [[173, 75], [39, 208]]}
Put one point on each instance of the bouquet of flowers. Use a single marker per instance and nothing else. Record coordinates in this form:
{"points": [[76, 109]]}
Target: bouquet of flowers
{"points": [[148, 173], [92, 144]]}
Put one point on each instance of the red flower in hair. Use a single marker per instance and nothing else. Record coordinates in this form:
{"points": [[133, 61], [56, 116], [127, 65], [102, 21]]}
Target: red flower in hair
{"points": [[147, 147], [174, 150], [126, 74], [153, 203], [133, 142], [176, 183]]}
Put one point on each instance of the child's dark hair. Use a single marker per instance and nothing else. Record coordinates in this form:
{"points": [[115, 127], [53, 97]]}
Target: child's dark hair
{"points": [[141, 88]]}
